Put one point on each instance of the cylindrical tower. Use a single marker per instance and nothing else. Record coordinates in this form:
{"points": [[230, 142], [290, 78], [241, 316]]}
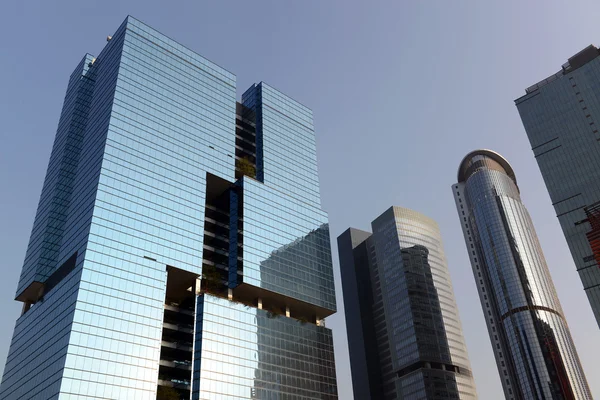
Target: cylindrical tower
{"points": [[534, 351]]}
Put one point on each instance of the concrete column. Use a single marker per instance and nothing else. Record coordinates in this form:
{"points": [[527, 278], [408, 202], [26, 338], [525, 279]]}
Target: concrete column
{"points": [[198, 285]]}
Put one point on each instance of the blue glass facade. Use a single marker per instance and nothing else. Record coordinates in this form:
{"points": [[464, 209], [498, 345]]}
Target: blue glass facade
{"points": [[128, 234], [535, 354], [286, 246], [49, 226], [285, 135], [247, 353]]}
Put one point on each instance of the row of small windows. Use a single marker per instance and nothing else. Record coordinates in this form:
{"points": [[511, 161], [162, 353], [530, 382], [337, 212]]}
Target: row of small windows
{"points": [[487, 304], [485, 297]]}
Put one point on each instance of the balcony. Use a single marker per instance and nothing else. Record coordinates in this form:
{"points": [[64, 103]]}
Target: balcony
{"points": [[174, 383], [184, 328], [184, 365], [184, 346], [179, 310]]}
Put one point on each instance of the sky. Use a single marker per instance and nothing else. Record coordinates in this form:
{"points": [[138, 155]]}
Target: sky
{"points": [[400, 90]]}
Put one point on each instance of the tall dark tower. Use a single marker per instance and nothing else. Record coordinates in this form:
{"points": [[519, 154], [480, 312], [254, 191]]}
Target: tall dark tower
{"points": [[404, 332], [561, 115]]}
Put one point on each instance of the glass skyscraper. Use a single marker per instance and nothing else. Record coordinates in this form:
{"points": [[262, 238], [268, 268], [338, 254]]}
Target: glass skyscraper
{"points": [[404, 333], [561, 115], [179, 248], [534, 351]]}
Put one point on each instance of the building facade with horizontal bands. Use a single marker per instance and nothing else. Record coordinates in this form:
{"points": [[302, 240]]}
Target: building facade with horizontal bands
{"points": [[534, 350], [561, 115], [404, 333], [179, 249]]}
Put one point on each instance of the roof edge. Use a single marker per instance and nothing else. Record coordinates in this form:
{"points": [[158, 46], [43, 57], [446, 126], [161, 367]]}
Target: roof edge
{"points": [[491, 154]]}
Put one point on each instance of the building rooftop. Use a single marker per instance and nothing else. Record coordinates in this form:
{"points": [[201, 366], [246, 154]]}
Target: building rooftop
{"points": [[578, 60], [470, 163]]}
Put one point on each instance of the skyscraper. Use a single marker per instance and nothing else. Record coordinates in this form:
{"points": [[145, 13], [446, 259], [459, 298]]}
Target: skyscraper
{"points": [[561, 115], [534, 351], [179, 246], [404, 332]]}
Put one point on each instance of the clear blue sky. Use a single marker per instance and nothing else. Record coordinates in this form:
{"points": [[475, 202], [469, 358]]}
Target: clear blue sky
{"points": [[401, 91]]}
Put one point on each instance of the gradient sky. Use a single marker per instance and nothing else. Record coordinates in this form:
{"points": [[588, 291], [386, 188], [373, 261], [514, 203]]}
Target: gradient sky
{"points": [[401, 91]]}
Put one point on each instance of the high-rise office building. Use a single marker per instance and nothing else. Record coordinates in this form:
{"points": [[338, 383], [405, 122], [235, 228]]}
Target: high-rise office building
{"points": [[404, 333], [561, 115], [179, 249], [534, 351]]}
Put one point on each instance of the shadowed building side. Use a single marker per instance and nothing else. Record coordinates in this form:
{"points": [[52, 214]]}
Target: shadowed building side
{"points": [[561, 116], [354, 252], [399, 300]]}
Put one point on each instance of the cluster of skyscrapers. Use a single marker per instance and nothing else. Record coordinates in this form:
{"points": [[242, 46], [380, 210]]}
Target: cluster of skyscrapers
{"points": [[179, 250]]}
